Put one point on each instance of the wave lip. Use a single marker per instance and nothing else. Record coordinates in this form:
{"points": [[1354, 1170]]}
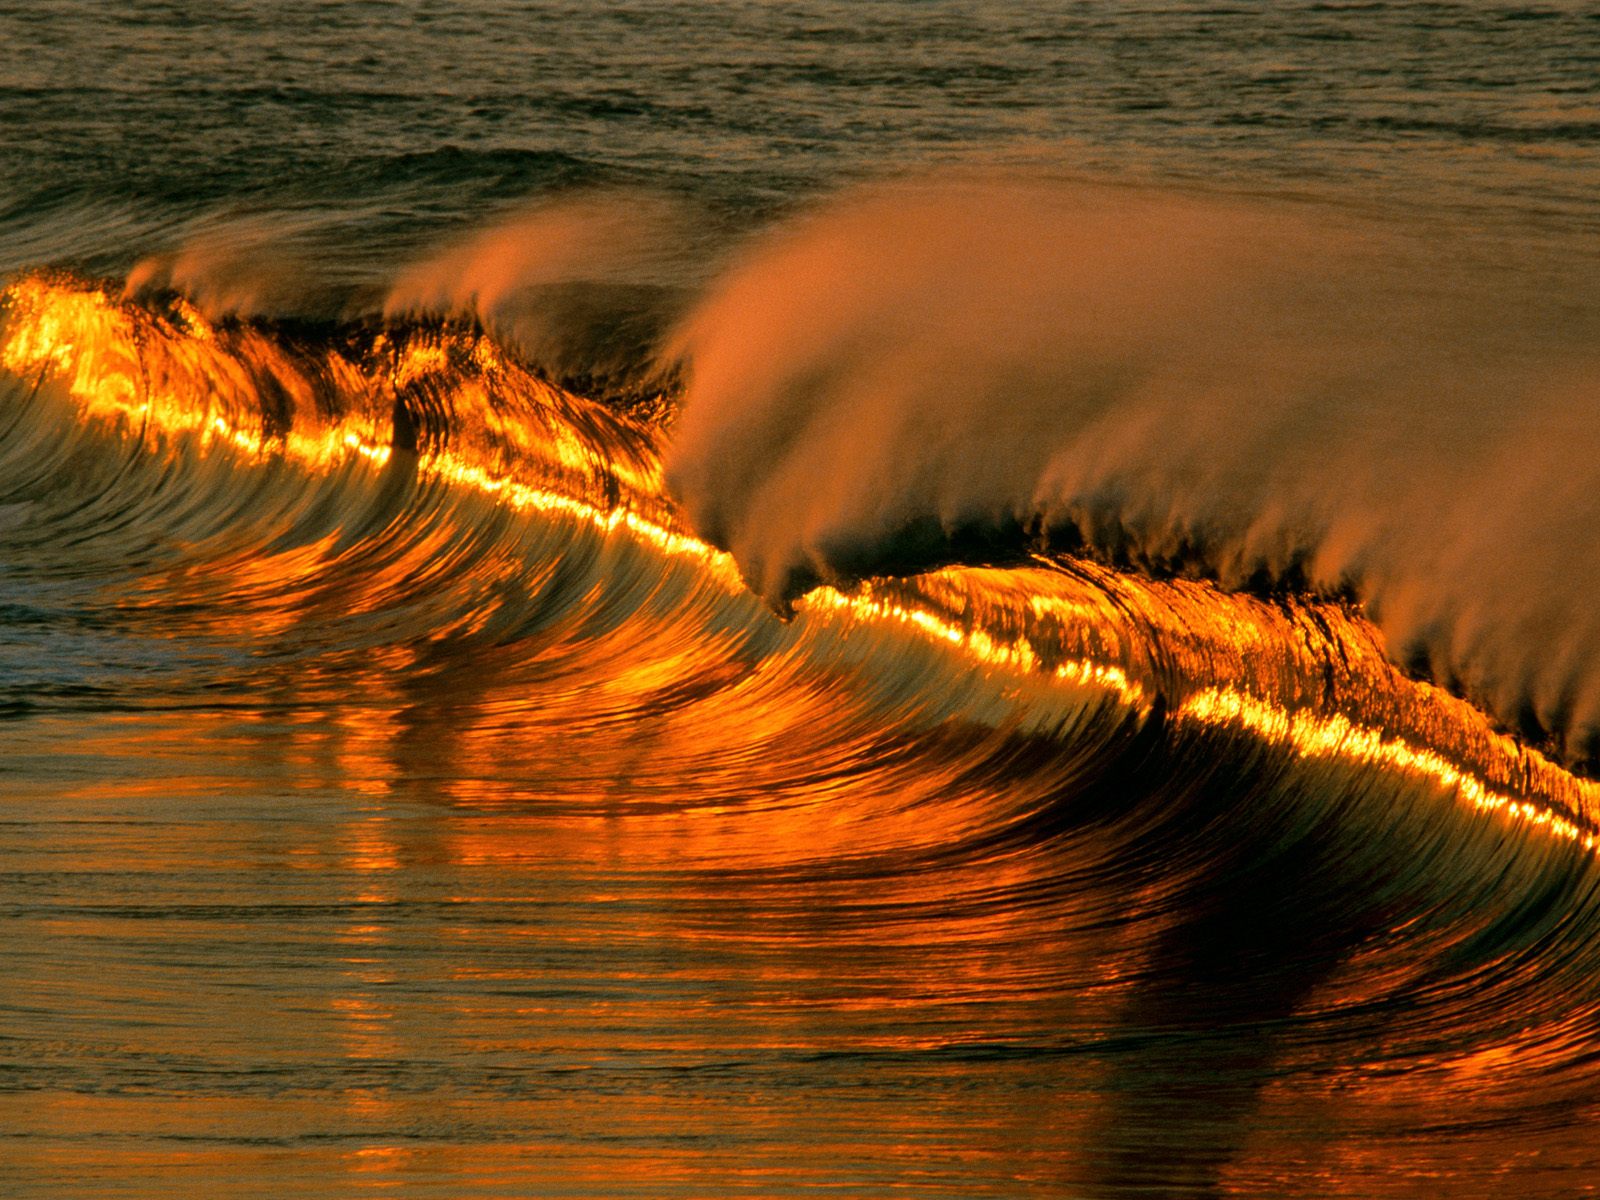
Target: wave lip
{"points": [[452, 408], [317, 392], [1274, 395]]}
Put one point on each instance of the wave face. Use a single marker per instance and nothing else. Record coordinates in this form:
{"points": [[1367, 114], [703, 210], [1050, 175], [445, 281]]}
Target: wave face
{"points": [[462, 800]]}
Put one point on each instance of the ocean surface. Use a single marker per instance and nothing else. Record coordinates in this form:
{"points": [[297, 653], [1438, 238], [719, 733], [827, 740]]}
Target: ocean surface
{"points": [[721, 599]]}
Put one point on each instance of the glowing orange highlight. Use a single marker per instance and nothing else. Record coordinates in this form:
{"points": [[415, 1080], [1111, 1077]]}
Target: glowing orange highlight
{"points": [[1003, 623]]}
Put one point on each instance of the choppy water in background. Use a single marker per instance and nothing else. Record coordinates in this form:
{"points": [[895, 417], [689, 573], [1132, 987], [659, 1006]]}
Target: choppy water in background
{"points": [[398, 796], [392, 120]]}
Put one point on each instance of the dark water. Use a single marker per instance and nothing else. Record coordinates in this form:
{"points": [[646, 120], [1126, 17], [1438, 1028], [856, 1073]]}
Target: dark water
{"points": [[1165, 777]]}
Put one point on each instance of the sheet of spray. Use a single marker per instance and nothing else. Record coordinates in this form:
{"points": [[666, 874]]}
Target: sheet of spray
{"points": [[1265, 393]]}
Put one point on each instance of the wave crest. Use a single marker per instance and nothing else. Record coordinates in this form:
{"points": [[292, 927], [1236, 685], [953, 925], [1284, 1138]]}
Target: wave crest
{"points": [[1262, 394], [447, 408]]}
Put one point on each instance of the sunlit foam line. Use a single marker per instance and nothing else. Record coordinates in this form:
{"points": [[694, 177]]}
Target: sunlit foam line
{"points": [[521, 496], [316, 451], [59, 319], [320, 451], [1312, 736], [1019, 656], [419, 361], [60, 316], [1308, 735], [323, 452]]}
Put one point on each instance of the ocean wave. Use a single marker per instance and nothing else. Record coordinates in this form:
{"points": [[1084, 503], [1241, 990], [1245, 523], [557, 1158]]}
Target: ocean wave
{"points": [[1172, 831], [439, 406], [1267, 394]]}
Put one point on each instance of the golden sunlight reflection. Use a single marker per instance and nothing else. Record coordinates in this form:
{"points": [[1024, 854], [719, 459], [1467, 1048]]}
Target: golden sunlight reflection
{"points": [[1242, 662]]}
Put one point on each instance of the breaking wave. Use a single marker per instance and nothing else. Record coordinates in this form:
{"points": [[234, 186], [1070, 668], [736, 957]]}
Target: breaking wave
{"points": [[441, 414], [1268, 394], [1049, 744]]}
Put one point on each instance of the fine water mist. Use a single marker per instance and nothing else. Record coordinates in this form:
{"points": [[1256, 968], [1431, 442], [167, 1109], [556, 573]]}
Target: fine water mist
{"points": [[582, 284], [1267, 393], [233, 264]]}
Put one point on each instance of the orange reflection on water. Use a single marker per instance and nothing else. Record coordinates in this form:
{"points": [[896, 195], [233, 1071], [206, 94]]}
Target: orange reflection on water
{"points": [[1290, 673], [1335, 736], [101, 350]]}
